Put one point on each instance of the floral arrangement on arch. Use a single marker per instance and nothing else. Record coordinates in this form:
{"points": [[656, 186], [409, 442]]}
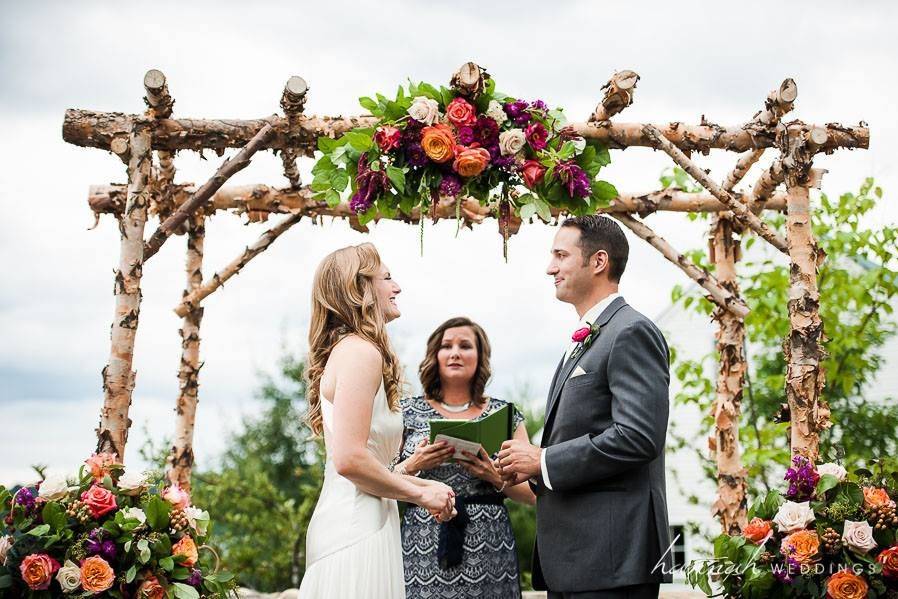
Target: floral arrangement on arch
{"points": [[830, 534], [105, 533], [467, 141]]}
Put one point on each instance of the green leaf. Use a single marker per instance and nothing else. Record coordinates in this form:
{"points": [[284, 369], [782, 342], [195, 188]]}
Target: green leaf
{"points": [[603, 192], [447, 94], [332, 197], [359, 141], [397, 178], [39, 530], [54, 515], [567, 150], [167, 563], [324, 165], [826, 482], [339, 179], [528, 211], [429, 91], [185, 591], [368, 104], [130, 574], [368, 215], [143, 549], [5, 581], [157, 511]]}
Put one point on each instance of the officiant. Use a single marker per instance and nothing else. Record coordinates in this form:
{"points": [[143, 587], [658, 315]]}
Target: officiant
{"points": [[474, 554]]}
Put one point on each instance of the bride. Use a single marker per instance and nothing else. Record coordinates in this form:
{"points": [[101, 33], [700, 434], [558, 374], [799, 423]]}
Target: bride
{"points": [[353, 546]]}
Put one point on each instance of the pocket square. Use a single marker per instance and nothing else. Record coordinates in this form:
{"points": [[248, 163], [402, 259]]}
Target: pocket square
{"points": [[577, 372]]}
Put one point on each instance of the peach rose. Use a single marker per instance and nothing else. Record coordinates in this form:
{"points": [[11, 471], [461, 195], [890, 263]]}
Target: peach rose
{"points": [[846, 585], [470, 162], [802, 546], [187, 548], [150, 589], [758, 530], [177, 496], [100, 500], [37, 571], [96, 574], [460, 112], [875, 497], [438, 142], [533, 173], [889, 560], [99, 464]]}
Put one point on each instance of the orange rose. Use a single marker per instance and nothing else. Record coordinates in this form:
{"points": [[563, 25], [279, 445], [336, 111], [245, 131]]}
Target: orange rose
{"points": [[438, 142], [757, 531], [37, 570], [96, 574], [470, 162], [187, 548], [875, 497], [846, 585], [99, 464], [150, 589], [889, 560], [802, 546]]}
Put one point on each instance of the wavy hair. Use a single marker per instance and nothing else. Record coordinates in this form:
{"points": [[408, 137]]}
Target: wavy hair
{"points": [[344, 302], [429, 370]]}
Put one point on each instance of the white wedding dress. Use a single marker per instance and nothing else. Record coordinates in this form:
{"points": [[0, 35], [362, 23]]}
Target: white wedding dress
{"points": [[353, 545]]}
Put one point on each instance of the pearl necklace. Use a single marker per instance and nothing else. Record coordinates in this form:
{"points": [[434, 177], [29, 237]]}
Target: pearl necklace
{"points": [[455, 409]]}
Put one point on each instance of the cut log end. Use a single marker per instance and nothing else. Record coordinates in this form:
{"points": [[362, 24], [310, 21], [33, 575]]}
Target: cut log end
{"points": [[154, 81], [788, 91], [296, 86]]}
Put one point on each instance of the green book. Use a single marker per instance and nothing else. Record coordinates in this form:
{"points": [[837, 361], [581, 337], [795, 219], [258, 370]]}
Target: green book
{"points": [[471, 435]]}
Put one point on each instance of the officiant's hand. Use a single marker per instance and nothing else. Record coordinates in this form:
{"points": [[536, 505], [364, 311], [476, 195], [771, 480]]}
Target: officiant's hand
{"points": [[519, 457], [429, 455], [482, 467]]}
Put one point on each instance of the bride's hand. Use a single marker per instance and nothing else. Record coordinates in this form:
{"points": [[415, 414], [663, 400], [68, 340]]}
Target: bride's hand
{"points": [[438, 499], [429, 455], [482, 467]]}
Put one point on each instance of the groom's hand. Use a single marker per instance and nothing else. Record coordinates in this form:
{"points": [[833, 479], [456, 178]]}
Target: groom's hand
{"points": [[519, 460]]}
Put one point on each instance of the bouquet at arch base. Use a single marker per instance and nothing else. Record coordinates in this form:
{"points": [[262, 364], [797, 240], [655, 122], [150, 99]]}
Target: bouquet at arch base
{"points": [[829, 534], [107, 532]]}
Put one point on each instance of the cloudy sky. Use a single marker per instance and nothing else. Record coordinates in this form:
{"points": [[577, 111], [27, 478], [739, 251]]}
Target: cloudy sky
{"points": [[716, 59]]}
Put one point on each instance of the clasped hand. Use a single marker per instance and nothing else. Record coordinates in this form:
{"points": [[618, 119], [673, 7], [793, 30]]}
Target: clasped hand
{"points": [[518, 460]]}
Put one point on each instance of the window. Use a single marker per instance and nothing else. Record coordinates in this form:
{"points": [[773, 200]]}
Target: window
{"points": [[678, 546]]}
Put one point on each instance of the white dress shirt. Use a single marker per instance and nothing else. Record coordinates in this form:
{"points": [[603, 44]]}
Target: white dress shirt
{"points": [[587, 320]]}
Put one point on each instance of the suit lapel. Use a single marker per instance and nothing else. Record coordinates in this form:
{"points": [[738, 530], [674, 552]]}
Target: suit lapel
{"points": [[566, 370], [555, 381]]}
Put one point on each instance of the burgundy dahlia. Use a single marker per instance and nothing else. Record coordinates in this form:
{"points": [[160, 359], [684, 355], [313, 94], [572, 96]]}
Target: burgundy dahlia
{"points": [[536, 135], [450, 185], [574, 178], [486, 131], [370, 185], [414, 154], [466, 135]]}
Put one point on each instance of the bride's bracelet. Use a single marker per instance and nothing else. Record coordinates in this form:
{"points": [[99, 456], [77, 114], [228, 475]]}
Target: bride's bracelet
{"points": [[400, 469]]}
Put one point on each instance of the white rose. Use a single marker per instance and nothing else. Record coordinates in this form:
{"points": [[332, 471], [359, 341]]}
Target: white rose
{"points": [[132, 482], [511, 142], [793, 516], [425, 110], [834, 469], [54, 487], [5, 544], [135, 513], [69, 577], [496, 112], [198, 519], [858, 536]]}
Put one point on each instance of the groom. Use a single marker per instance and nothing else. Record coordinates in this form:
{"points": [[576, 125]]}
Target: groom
{"points": [[601, 508]]}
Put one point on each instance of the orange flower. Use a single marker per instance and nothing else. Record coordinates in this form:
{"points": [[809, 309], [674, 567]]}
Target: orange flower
{"points": [[99, 464], [150, 589], [96, 574], [470, 162], [846, 585], [802, 546], [438, 142], [757, 530], [875, 497], [37, 570], [889, 560], [187, 548]]}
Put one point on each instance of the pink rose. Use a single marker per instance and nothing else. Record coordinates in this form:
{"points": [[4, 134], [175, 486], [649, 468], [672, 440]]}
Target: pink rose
{"points": [[387, 138], [580, 335], [37, 571], [533, 173], [461, 112], [177, 496], [99, 464], [100, 500]]}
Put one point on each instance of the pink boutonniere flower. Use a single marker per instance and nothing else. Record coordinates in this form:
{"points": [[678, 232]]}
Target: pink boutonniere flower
{"points": [[580, 335], [584, 336]]}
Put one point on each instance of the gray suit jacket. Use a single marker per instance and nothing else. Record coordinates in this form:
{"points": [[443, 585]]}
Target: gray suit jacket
{"points": [[604, 522]]}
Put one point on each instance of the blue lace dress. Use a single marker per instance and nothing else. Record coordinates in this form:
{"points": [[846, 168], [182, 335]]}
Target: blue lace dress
{"points": [[489, 562]]}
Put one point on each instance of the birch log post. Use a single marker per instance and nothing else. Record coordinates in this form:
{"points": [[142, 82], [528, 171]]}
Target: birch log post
{"points": [[160, 106], [180, 460], [719, 295], [808, 413], [202, 195], [193, 299], [118, 376], [739, 209], [731, 502], [618, 94], [293, 101]]}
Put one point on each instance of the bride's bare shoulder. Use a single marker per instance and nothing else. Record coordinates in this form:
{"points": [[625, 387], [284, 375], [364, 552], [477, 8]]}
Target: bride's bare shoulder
{"points": [[356, 350]]}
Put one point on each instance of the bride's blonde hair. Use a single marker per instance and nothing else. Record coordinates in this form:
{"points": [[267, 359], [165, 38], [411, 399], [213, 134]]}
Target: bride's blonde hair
{"points": [[344, 302]]}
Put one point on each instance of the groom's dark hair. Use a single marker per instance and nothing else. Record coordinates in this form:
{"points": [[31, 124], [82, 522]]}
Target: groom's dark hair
{"points": [[600, 233]]}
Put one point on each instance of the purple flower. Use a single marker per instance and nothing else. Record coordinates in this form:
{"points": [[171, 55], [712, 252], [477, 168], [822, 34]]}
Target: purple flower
{"points": [[517, 112], [466, 135], [487, 131], [450, 185], [93, 547], [503, 161], [109, 550], [196, 578], [370, 185], [802, 477], [574, 178], [414, 154], [536, 135], [25, 498], [539, 105]]}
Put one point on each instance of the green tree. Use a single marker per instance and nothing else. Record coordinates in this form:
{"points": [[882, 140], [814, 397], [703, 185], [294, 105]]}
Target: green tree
{"points": [[858, 285]]}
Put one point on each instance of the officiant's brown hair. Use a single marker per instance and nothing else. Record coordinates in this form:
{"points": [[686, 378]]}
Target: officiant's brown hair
{"points": [[429, 370]]}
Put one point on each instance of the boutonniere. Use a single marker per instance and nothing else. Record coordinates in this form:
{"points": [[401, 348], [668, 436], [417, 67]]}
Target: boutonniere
{"points": [[584, 337]]}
